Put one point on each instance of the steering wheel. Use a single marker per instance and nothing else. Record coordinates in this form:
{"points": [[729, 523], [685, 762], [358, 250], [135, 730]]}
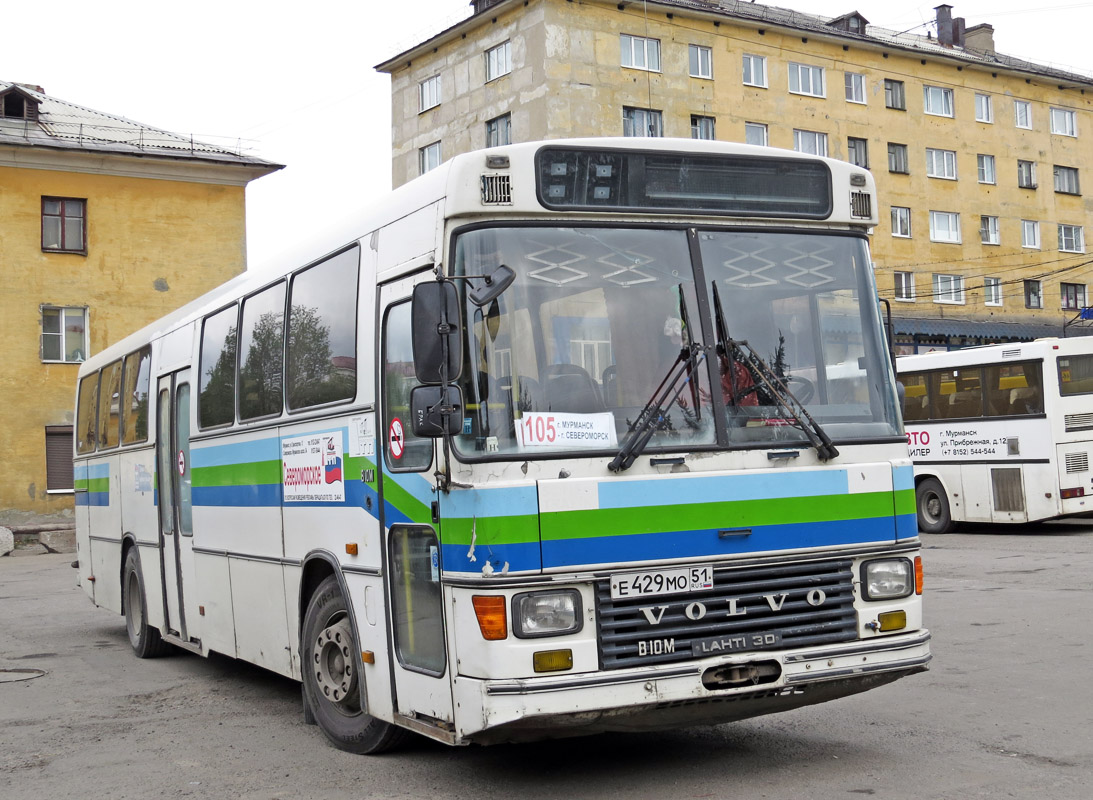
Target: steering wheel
{"points": [[803, 389]]}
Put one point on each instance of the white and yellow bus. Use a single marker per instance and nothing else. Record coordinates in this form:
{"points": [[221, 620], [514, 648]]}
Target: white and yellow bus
{"points": [[550, 444], [1001, 433]]}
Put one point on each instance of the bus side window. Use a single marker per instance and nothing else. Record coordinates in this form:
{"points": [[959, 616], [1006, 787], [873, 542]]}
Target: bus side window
{"points": [[917, 403], [404, 451], [88, 404], [109, 402], [135, 396]]}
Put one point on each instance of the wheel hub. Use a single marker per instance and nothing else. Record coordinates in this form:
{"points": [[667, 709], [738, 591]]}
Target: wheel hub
{"points": [[333, 663]]}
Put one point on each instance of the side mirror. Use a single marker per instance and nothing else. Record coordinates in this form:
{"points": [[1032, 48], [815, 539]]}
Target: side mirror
{"points": [[436, 411], [490, 287], [435, 321]]}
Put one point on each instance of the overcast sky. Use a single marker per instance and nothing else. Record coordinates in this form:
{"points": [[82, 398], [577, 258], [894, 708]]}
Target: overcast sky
{"points": [[294, 83]]}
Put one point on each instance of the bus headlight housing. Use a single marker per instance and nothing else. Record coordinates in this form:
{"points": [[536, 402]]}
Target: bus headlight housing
{"points": [[887, 579], [546, 613]]}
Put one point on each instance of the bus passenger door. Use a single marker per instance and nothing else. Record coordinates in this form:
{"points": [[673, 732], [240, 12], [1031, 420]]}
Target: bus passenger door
{"points": [[175, 505], [421, 670]]}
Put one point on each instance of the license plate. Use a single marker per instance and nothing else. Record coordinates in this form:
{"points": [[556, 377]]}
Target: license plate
{"points": [[661, 581], [735, 643]]}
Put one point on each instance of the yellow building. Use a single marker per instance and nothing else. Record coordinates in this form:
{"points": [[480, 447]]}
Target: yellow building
{"points": [[977, 156], [105, 225]]}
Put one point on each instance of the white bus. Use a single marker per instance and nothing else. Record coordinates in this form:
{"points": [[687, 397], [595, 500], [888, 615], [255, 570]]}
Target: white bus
{"points": [[545, 446], [1000, 433]]}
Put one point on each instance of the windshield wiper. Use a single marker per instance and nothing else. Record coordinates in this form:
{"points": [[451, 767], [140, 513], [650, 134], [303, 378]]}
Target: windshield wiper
{"points": [[739, 350]]}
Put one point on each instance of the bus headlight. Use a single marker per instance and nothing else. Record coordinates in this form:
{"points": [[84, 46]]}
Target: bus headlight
{"points": [[887, 579], [546, 613]]}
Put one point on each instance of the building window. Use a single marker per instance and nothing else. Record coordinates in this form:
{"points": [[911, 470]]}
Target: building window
{"points": [[1064, 122], [64, 225], [938, 101], [1073, 295], [429, 93], [857, 152], [894, 96], [804, 79], [64, 334], [905, 286], [59, 458], [811, 142], [941, 163], [428, 157], [989, 232], [901, 222], [855, 88], [1066, 180], [992, 291], [897, 158], [498, 61], [984, 108], [642, 122], [1026, 174], [1022, 114], [499, 130], [755, 133], [949, 289], [985, 165], [701, 61], [1071, 239], [640, 53], [702, 127], [945, 227], [1034, 294], [1030, 234], [755, 71]]}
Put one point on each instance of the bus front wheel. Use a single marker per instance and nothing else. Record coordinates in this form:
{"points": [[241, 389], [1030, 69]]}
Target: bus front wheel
{"points": [[331, 676], [145, 640], [933, 507]]}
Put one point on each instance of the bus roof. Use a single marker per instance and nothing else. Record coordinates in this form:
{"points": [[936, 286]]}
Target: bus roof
{"points": [[994, 354]]}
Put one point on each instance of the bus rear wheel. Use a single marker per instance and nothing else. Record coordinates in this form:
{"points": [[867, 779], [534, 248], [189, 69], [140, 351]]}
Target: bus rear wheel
{"points": [[933, 507], [331, 677], [145, 640]]}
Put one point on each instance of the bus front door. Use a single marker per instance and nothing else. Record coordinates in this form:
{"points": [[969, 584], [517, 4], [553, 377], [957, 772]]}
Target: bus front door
{"points": [[175, 506]]}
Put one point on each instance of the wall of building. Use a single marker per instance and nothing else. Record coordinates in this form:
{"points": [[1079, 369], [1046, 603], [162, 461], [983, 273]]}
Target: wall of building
{"points": [[153, 245]]}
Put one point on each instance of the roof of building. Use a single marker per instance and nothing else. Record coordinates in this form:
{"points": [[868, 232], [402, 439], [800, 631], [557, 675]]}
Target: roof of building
{"points": [[60, 124], [758, 12]]}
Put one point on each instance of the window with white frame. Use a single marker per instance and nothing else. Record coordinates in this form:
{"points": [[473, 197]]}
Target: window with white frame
{"points": [[905, 286], [1071, 239], [701, 59], [755, 71], [1073, 295], [702, 127], [1064, 122], [1026, 174], [811, 142], [498, 61], [642, 122], [937, 100], [985, 165], [894, 96], [428, 157], [429, 93], [949, 289], [755, 133], [1066, 180], [901, 222], [1034, 294], [945, 227], [989, 232], [897, 158], [855, 87], [941, 163], [639, 52], [499, 131], [1022, 114], [992, 291], [984, 108], [64, 334], [1030, 234], [806, 79], [857, 152]]}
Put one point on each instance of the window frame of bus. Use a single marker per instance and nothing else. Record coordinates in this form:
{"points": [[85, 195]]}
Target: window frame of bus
{"points": [[104, 440], [202, 424], [140, 355], [582, 160], [1059, 372], [239, 387], [90, 403], [393, 464]]}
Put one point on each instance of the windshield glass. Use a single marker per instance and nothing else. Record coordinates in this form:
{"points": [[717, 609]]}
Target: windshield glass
{"points": [[597, 319]]}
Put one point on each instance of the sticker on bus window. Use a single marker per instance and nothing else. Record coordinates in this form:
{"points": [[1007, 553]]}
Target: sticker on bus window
{"points": [[313, 468], [565, 431]]}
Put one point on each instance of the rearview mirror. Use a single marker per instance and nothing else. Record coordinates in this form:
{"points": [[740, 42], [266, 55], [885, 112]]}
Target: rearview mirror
{"points": [[436, 410], [489, 287], [436, 331]]}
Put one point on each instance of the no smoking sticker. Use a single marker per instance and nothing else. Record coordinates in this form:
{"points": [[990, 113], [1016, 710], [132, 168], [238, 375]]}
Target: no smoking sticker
{"points": [[395, 440]]}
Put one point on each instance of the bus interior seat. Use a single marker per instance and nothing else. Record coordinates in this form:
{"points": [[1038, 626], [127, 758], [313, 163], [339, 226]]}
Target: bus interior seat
{"points": [[526, 397], [610, 387], [568, 387]]}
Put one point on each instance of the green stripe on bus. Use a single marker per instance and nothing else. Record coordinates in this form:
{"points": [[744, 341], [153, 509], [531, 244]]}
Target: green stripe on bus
{"points": [[523, 529], [254, 473]]}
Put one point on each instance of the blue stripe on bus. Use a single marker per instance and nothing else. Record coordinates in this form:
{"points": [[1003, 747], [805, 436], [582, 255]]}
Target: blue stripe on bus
{"points": [[522, 557], [93, 499], [722, 488], [906, 526], [251, 496]]}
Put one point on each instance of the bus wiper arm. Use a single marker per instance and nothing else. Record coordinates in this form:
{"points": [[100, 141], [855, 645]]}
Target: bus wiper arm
{"points": [[641, 431]]}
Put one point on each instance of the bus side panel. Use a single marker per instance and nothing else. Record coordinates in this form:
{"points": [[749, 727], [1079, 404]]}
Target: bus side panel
{"points": [[366, 594], [970, 496], [213, 586], [104, 512], [80, 472]]}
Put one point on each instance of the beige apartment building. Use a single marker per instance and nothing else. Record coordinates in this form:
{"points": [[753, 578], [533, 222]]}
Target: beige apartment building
{"points": [[978, 157]]}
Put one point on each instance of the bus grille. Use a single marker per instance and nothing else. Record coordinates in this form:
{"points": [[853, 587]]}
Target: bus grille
{"points": [[800, 604], [1077, 462], [1078, 422], [1008, 494], [860, 205], [496, 190]]}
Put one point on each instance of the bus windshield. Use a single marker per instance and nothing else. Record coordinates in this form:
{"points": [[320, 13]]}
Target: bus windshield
{"points": [[601, 320]]}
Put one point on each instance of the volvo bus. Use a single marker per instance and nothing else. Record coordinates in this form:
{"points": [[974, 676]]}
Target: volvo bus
{"points": [[1001, 433], [565, 437]]}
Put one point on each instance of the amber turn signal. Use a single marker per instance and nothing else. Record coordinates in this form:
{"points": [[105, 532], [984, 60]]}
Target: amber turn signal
{"points": [[552, 660], [492, 621], [918, 574], [351, 548]]}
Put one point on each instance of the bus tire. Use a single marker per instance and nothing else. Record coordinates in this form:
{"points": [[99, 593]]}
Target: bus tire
{"points": [[145, 640], [331, 665], [932, 505]]}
